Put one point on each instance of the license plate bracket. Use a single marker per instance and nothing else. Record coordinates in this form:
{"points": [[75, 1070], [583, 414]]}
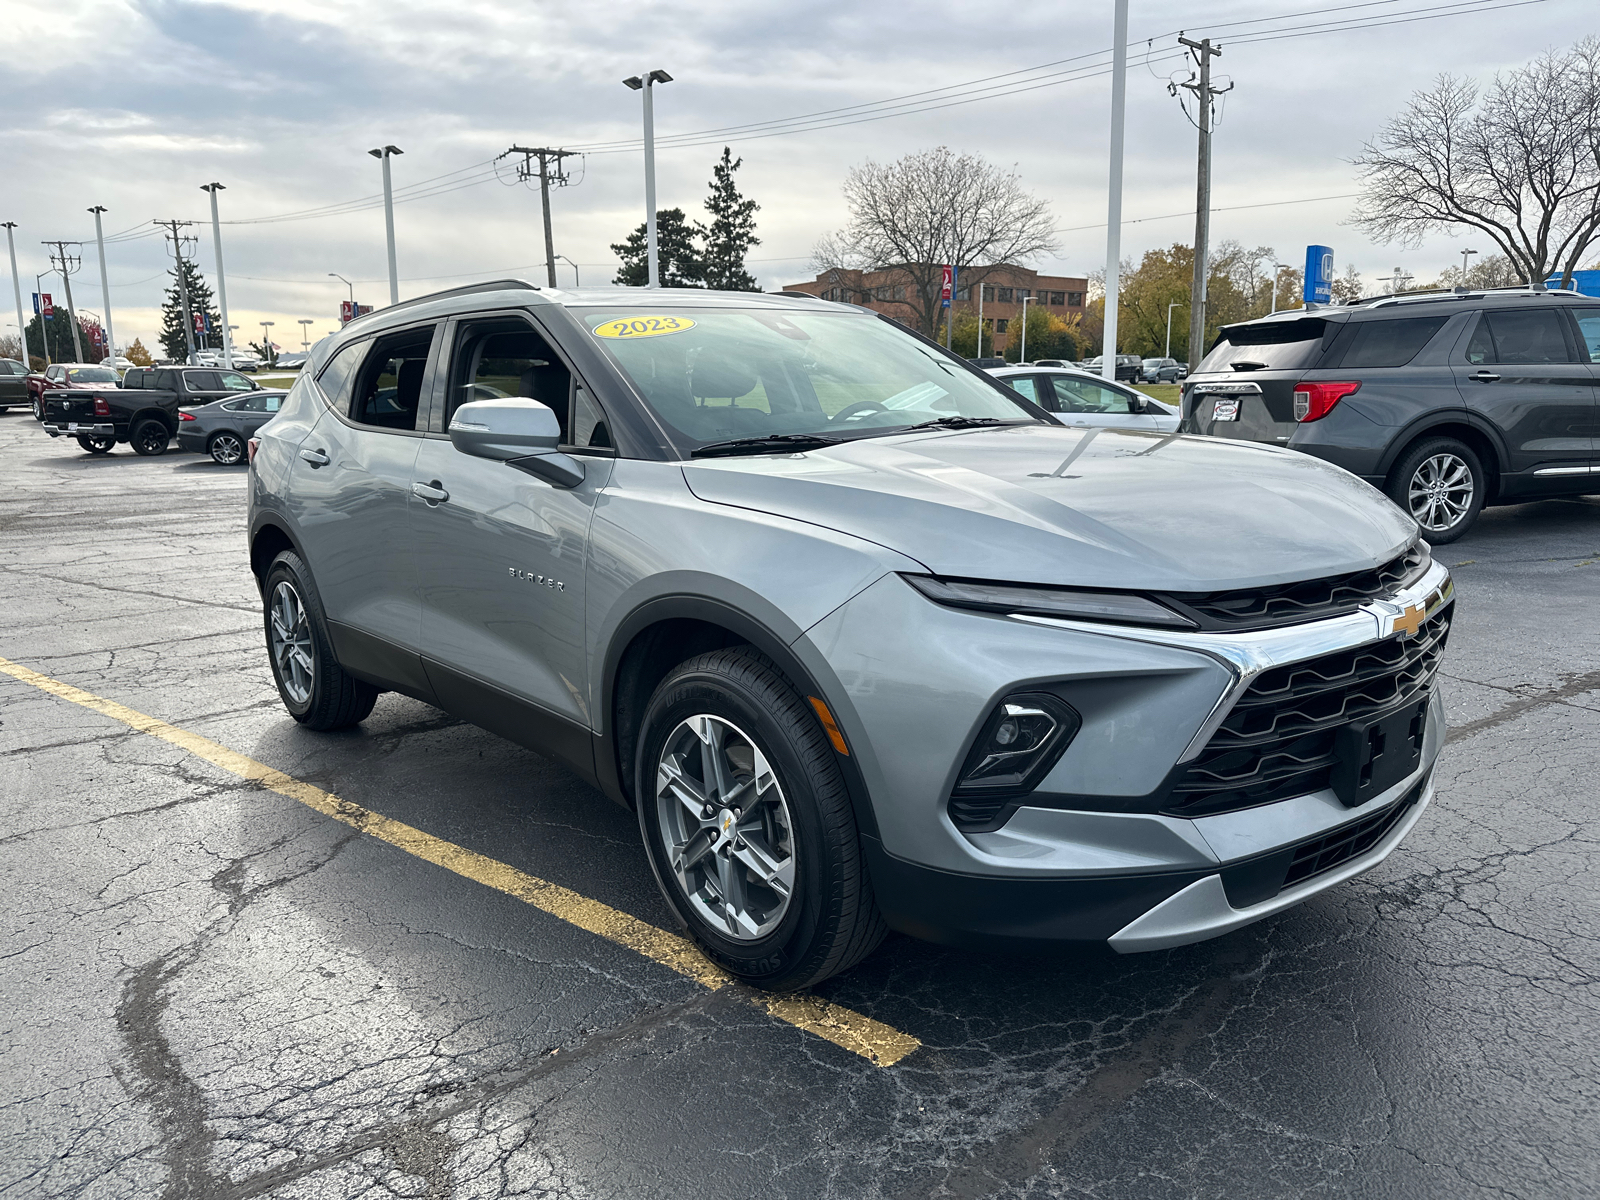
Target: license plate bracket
{"points": [[1226, 409], [1375, 755]]}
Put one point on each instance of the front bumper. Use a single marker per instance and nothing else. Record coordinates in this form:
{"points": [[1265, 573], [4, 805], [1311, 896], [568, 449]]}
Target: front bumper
{"points": [[76, 429], [1150, 701]]}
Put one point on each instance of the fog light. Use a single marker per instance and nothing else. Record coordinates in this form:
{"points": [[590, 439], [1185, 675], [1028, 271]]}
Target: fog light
{"points": [[1018, 744]]}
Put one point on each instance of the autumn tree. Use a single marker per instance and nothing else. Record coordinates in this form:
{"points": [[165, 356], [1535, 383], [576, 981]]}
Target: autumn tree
{"points": [[934, 208], [1518, 161], [138, 355]]}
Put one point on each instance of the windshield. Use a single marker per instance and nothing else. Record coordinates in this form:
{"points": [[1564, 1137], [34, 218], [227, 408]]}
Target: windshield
{"points": [[92, 375], [714, 375]]}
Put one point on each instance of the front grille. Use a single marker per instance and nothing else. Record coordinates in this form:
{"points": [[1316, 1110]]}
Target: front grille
{"points": [[1280, 739], [1348, 841], [1292, 603]]}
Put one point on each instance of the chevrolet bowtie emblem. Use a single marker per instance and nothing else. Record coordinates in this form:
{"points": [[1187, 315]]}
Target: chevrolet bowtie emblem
{"points": [[1408, 622]]}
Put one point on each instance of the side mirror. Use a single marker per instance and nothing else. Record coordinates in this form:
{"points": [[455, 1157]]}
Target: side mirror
{"points": [[1135, 404], [519, 432]]}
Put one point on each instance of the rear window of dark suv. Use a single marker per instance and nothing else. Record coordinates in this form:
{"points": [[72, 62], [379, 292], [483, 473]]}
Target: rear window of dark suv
{"points": [[1268, 346]]}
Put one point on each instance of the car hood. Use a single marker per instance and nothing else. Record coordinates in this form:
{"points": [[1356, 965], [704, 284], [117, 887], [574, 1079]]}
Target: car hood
{"points": [[1090, 508]]}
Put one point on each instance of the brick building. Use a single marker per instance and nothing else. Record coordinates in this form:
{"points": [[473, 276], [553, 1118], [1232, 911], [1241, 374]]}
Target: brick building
{"points": [[1004, 288]]}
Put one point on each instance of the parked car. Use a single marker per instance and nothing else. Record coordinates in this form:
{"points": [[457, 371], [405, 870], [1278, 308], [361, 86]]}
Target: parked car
{"points": [[224, 428], [864, 638], [987, 363], [117, 363], [1078, 398], [289, 362], [13, 384], [243, 360], [1052, 362], [1129, 366], [1160, 370], [66, 375], [1445, 401], [143, 411]]}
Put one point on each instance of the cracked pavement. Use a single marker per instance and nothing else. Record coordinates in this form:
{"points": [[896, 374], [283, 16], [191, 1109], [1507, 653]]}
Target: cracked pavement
{"points": [[212, 991]]}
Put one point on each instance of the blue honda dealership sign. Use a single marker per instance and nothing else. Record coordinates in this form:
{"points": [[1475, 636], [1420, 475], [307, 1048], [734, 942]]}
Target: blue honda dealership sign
{"points": [[1319, 275]]}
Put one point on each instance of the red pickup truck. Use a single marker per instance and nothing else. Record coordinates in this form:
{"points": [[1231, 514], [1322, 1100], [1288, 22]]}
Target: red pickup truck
{"points": [[67, 375]]}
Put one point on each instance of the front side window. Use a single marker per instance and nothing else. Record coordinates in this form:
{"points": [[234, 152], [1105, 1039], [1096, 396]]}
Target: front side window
{"points": [[504, 357], [388, 387], [1520, 335], [1088, 396], [719, 375], [1589, 331]]}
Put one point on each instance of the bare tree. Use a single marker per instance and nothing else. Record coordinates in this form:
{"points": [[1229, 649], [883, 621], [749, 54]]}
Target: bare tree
{"points": [[933, 208], [1521, 163]]}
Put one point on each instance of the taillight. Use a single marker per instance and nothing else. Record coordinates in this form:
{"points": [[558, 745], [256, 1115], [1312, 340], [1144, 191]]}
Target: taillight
{"points": [[1312, 401], [255, 444], [183, 416], [101, 408]]}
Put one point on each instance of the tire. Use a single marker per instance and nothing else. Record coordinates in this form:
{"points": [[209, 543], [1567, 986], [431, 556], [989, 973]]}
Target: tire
{"points": [[1441, 484], [149, 438], [318, 693], [226, 449], [735, 702], [97, 445], [38, 409]]}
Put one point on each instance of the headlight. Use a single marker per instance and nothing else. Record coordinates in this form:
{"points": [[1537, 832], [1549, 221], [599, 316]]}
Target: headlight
{"points": [[1018, 744], [1125, 608]]}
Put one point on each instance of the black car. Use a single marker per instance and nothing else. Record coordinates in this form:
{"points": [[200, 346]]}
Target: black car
{"points": [[1130, 367], [223, 428], [13, 384], [1446, 401]]}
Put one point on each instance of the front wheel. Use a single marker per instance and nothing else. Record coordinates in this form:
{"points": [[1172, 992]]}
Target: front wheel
{"points": [[227, 449], [315, 689], [97, 445], [1441, 483], [149, 438], [38, 409], [748, 824]]}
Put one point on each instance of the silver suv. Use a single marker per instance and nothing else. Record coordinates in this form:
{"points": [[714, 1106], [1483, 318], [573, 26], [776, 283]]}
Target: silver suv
{"points": [[864, 637]]}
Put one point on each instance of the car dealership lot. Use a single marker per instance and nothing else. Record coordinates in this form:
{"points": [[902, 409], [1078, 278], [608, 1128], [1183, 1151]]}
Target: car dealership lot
{"points": [[217, 989]]}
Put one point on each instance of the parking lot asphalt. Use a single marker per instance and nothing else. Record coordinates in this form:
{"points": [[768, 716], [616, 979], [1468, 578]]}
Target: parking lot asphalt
{"points": [[219, 981]]}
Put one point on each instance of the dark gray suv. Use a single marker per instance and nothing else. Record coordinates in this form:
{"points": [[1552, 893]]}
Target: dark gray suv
{"points": [[1446, 401]]}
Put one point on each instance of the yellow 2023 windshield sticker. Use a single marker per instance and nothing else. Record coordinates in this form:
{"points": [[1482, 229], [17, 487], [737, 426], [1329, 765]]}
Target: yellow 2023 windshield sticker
{"points": [[642, 327]]}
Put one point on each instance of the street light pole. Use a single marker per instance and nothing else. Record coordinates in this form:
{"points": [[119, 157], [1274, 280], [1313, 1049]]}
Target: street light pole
{"points": [[1119, 93], [105, 286], [305, 333], [575, 281], [352, 287], [222, 283], [384, 154], [1464, 256], [1167, 353], [16, 286], [980, 317], [1276, 267], [1022, 352], [645, 83]]}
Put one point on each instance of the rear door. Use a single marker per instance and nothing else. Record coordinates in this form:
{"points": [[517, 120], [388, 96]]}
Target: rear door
{"points": [[1522, 372]]}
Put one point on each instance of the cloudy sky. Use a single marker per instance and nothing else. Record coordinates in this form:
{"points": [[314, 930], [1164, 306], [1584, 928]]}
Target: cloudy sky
{"points": [[133, 104]]}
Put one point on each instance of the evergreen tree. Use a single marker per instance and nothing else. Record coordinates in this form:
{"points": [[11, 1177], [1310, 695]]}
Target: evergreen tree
{"points": [[681, 264], [731, 232], [173, 342], [58, 333]]}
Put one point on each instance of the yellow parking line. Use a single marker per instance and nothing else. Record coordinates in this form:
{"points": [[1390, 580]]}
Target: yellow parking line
{"points": [[878, 1043]]}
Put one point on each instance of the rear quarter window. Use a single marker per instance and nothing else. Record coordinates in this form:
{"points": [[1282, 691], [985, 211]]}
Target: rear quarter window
{"points": [[1269, 346], [1383, 343]]}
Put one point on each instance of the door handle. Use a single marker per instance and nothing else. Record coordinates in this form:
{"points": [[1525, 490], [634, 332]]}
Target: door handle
{"points": [[433, 493], [317, 458], [1484, 377]]}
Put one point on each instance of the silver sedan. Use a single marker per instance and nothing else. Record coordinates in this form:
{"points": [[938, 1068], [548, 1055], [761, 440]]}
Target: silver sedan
{"points": [[1080, 399]]}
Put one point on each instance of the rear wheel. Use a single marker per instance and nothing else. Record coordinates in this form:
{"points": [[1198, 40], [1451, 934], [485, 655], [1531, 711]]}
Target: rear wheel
{"points": [[748, 824], [1441, 483], [149, 438], [227, 449], [315, 689], [97, 445]]}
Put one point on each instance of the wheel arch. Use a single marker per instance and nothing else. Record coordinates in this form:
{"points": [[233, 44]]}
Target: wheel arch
{"points": [[159, 414], [268, 540], [657, 636], [1481, 441]]}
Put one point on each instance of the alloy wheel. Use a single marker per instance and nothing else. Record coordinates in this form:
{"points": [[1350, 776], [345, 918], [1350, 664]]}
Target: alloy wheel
{"points": [[1440, 492], [292, 651], [227, 449], [726, 827], [151, 438]]}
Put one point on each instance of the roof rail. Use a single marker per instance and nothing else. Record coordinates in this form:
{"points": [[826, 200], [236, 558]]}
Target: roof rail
{"points": [[1458, 292], [467, 289], [807, 295]]}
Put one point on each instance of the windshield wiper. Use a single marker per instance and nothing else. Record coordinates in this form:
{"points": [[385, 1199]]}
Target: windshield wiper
{"points": [[1248, 364], [953, 423], [772, 443]]}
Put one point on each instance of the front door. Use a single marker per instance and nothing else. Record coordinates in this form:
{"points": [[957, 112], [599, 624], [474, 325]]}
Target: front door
{"points": [[1522, 373], [1587, 321], [1081, 401], [501, 556]]}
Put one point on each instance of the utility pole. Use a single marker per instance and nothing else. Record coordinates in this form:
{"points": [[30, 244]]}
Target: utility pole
{"points": [[183, 286], [105, 286], [1204, 93], [222, 284], [385, 153], [16, 286], [66, 264], [1119, 92], [548, 159], [1167, 353], [646, 83]]}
